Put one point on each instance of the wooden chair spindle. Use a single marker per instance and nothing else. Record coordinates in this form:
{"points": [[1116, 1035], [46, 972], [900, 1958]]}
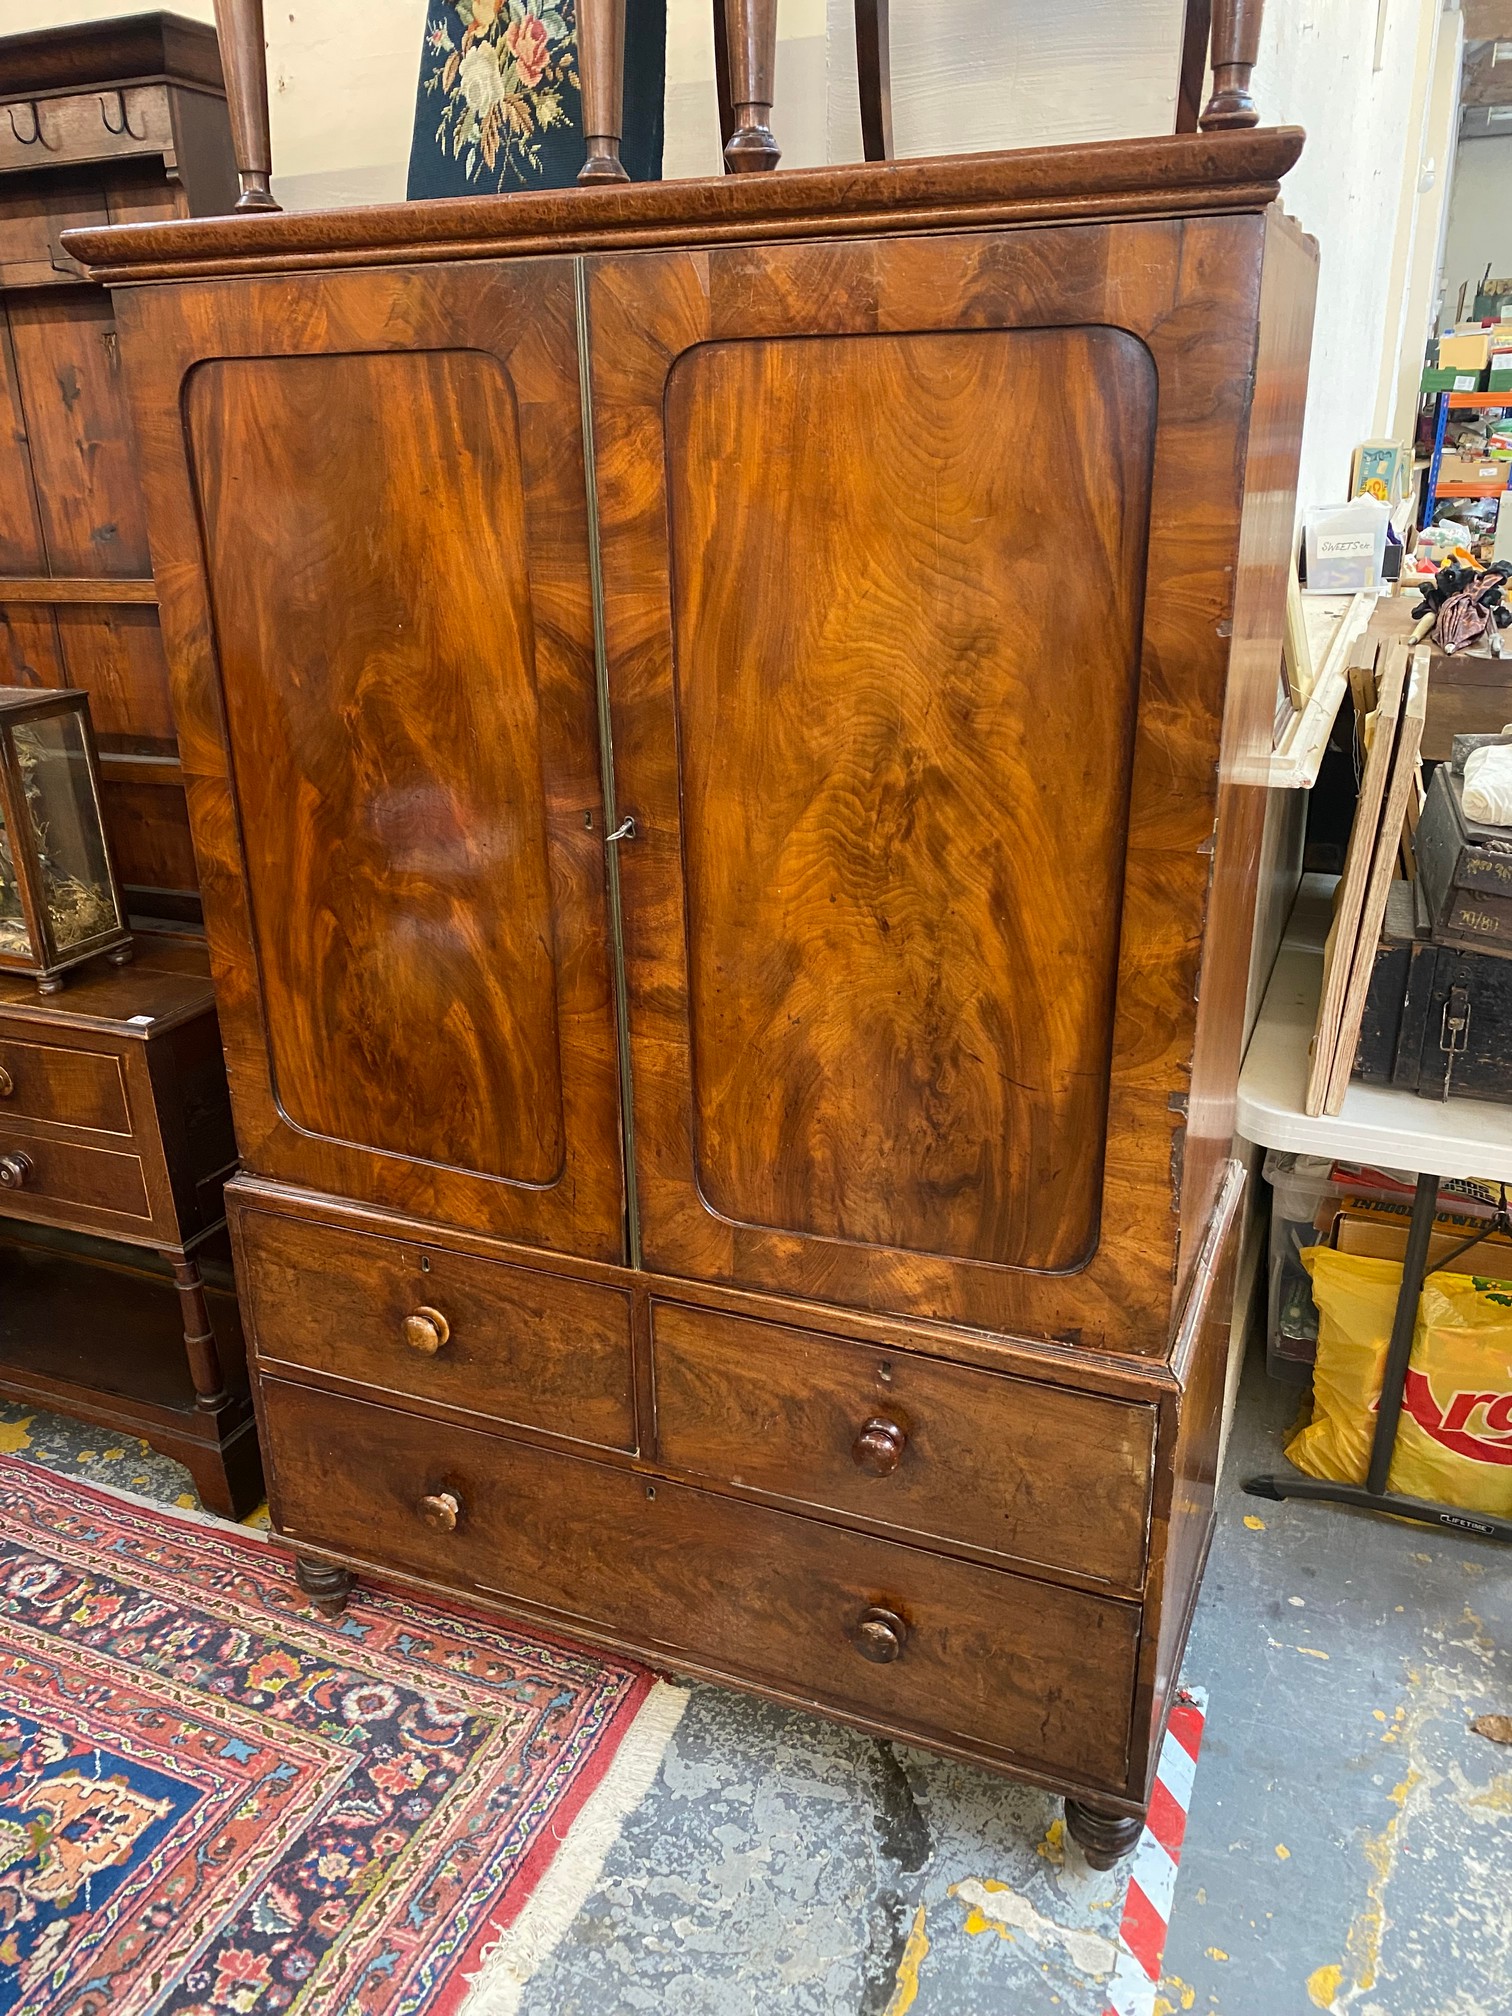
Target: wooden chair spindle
{"points": [[752, 28], [244, 63], [601, 67], [1236, 44], [874, 78]]}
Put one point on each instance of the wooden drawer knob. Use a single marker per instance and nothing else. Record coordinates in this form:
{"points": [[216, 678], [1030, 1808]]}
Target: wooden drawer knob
{"points": [[443, 1511], [880, 1635], [426, 1330], [14, 1170], [879, 1447], [7, 1083]]}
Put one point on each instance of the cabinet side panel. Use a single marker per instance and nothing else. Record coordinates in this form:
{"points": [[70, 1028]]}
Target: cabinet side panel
{"points": [[1267, 534], [905, 743], [363, 519]]}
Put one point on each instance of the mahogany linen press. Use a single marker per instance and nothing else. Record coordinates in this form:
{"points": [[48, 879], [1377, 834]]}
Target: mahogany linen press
{"points": [[716, 719]]}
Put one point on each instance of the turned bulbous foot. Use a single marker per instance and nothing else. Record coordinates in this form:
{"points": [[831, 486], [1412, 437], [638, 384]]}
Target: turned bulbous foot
{"points": [[1104, 1838], [603, 164], [753, 150], [326, 1585]]}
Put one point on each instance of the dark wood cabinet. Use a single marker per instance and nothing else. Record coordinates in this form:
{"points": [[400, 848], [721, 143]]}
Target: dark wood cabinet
{"points": [[717, 720], [115, 1122], [107, 122]]}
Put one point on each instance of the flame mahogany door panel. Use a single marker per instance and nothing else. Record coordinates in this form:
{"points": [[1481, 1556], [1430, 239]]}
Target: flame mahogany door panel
{"points": [[923, 765], [389, 716]]}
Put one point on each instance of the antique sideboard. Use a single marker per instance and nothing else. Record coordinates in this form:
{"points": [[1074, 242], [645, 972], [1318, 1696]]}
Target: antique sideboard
{"points": [[716, 718]]}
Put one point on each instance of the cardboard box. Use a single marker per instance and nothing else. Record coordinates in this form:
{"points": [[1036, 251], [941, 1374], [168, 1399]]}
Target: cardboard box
{"points": [[1499, 378], [1465, 350], [1382, 1235], [1487, 476]]}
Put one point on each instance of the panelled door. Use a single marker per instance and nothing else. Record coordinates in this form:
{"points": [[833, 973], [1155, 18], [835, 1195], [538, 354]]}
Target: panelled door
{"points": [[922, 765], [370, 489]]}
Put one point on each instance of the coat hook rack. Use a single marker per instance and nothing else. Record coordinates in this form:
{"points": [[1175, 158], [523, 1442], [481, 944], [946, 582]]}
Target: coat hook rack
{"points": [[123, 116], [36, 137]]}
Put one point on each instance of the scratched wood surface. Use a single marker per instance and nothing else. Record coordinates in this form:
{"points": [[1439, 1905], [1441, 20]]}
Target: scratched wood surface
{"points": [[1187, 292], [384, 683], [83, 463], [71, 506], [1184, 176], [900, 975]]}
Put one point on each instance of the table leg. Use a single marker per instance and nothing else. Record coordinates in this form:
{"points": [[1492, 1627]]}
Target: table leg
{"points": [[199, 1335], [1399, 1350]]}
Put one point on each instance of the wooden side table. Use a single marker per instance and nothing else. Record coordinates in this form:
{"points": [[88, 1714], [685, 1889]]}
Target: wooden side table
{"points": [[115, 1136]]}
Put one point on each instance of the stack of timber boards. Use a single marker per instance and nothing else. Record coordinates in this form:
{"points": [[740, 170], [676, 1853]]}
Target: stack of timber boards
{"points": [[1388, 787]]}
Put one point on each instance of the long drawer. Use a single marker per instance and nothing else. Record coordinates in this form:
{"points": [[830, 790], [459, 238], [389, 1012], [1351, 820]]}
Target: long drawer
{"points": [[420, 1321], [61, 1182], [1036, 1473], [912, 1641], [74, 1088]]}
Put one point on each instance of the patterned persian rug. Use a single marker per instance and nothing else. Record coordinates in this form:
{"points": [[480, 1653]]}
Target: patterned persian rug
{"points": [[213, 1803]]}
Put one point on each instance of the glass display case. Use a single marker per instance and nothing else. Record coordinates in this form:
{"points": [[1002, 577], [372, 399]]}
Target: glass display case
{"points": [[59, 900]]}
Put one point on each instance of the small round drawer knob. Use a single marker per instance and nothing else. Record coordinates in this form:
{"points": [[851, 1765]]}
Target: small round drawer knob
{"points": [[7, 1083], [442, 1511], [426, 1330], [879, 1447], [14, 1171], [880, 1635]]}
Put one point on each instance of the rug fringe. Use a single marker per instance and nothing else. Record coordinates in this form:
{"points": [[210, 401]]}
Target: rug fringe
{"points": [[562, 1891]]}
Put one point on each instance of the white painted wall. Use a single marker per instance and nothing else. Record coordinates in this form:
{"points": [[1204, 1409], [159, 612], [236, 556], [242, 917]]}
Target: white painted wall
{"points": [[971, 74], [1480, 218]]}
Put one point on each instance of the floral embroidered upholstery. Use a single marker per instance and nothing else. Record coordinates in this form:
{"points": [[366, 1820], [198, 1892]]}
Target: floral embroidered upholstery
{"points": [[499, 105]]}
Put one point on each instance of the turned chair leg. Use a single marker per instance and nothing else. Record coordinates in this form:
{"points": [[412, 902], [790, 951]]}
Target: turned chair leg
{"points": [[752, 35], [601, 67], [1104, 1838], [1196, 31], [326, 1585], [874, 78], [1236, 44], [722, 76], [244, 59]]}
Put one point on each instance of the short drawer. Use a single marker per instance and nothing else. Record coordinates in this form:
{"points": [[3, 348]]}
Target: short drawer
{"points": [[1036, 1473], [61, 1183], [515, 1346], [75, 1088], [916, 1642]]}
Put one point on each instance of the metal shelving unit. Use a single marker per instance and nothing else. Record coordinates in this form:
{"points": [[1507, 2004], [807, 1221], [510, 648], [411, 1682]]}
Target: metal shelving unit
{"points": [[1447, 403]]}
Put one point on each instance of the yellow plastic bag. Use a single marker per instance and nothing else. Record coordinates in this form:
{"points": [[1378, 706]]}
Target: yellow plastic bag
{"points": [[1454, 1444]]}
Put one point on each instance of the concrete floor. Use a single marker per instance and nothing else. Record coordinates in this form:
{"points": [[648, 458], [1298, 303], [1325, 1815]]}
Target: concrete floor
{"points": [[1348, 1847]]}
